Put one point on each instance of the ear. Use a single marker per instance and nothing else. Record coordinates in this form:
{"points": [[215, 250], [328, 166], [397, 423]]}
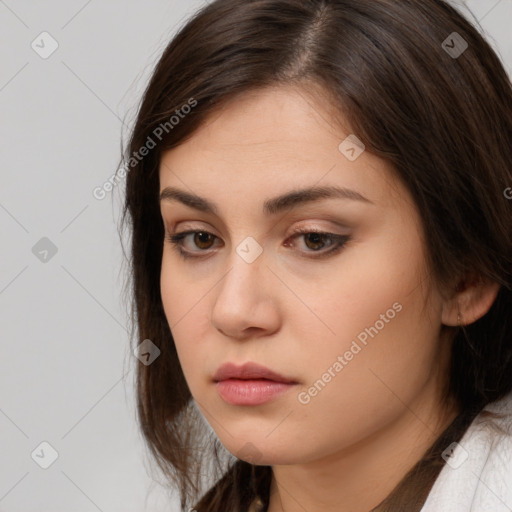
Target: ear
{"points": [[472, 299]]}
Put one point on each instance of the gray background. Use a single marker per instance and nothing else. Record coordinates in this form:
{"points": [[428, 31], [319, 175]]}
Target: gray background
{"points": [[66, 373]]}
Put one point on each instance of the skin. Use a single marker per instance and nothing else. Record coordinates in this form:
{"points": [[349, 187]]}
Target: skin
{"points": [[352, 443]]}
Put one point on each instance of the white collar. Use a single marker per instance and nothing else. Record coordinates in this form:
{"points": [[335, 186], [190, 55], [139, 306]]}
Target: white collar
{"points": [[478, 476]]}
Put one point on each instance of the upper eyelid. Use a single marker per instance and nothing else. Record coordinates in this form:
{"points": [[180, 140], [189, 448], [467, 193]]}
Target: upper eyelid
{"points": [[304, 213], [297, 233], [340, 224]]}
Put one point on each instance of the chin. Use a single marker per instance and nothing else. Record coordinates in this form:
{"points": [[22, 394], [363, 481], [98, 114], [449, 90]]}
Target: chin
{"points": [[261, 452]]}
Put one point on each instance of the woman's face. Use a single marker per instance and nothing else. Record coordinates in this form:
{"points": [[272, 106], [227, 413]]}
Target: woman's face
{"points": [[354, 322]]}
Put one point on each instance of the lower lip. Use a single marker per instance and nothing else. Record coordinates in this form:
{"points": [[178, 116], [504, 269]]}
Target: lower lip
{"points": [[251, 392]]}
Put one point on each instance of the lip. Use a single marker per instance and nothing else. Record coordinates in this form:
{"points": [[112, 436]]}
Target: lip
{"points": [[249, 371], [251, 391]]}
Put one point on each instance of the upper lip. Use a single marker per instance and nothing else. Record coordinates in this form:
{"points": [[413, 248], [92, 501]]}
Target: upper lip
{"points": [[247, 371]]}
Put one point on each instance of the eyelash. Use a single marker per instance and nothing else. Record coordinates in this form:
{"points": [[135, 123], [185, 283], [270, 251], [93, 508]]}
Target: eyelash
{"points": [[339, 241]]}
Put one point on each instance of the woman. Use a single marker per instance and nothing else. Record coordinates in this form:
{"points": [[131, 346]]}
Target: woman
{"points": [[321, 259]]}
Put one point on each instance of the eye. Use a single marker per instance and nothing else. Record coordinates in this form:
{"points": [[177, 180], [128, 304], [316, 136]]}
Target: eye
{"points": [[201, 238], [314, 240]]}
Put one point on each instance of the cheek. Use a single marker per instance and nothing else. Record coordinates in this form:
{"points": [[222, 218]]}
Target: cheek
{"points": [[169, 290], [184, 311], [371, 309], [369, 288], [186, 293], [180, 291], [354, 389]]}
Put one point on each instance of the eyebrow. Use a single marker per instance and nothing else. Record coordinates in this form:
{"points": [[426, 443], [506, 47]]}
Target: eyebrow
{"points": [[272, 206]]}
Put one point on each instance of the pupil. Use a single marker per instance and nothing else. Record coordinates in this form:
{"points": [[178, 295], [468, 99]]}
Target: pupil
{"points": [[201, 235], [315, 238]]}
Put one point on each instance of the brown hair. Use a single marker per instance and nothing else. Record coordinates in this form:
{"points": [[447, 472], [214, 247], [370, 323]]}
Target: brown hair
{"points": [[445, 123]]}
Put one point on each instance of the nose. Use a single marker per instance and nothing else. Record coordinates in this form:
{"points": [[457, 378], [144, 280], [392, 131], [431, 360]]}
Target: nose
{"points": [[246, 304]]}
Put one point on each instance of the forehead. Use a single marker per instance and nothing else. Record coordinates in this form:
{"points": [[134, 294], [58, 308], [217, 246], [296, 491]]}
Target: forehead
{"points": [[271, 140], [263, 120]]}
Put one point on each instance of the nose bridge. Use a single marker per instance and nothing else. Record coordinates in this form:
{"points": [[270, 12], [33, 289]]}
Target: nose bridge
{"points": [[237, 304], [246, 267], [249, 250]]}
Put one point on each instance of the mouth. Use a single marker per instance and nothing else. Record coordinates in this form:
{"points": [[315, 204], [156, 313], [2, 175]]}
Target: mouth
{"points": [[251, 391], [250, 383]]}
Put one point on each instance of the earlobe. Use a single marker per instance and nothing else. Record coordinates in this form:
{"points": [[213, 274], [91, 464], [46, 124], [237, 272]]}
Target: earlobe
{"points": [[472, 299]]}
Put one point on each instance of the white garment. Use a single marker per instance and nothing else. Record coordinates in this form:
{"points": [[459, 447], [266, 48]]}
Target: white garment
{"points": [[477, 477]]}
